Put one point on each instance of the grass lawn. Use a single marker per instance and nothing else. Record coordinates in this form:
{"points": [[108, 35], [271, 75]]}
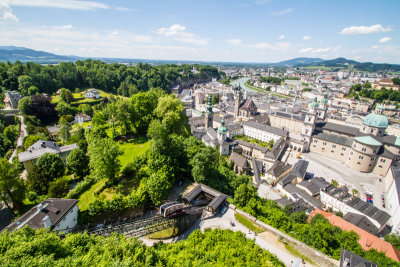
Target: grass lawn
{"points": [[256, 88], [249, 224], [282, 96], [164, 234], [80, 97], [89, 195], [132, 148]]}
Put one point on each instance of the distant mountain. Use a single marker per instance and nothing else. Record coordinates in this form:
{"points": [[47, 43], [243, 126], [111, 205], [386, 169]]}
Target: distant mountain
{"points": [[299, 61], [14, 53], [341, 62]]}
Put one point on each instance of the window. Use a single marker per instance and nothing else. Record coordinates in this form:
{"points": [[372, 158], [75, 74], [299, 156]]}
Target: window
{"points": [[364, 149], [324, 143], [314, 145], [359, 163], [361, 157], [372, 159], [380, 166], [383, 160], [343, 148], [341, 154], [333, 146], [351, 153], [332, 151]]}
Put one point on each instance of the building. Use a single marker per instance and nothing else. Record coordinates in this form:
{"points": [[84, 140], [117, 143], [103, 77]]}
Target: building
{"points": [[11, 99], [394, 130], [339, 199], [367, 240], [349, 259], [240, 164], [263, 132], [244, 108], [81, 118], [393, 197], [92, 93], [385, 83], [54, 213], [367, 149], [41, 147]]}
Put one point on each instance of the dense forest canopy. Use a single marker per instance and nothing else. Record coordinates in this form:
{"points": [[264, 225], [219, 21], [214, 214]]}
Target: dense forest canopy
{"points": [[214, 247], [114, 78]]}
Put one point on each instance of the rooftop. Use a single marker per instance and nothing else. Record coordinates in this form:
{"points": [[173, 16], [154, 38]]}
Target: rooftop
{"points": [[367, 140], [375, 120]]}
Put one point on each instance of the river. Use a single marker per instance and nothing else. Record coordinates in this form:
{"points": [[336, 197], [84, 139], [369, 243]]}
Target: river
{"points": [[241, 82]]}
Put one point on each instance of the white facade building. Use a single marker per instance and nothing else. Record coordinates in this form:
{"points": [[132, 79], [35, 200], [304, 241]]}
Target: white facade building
{"points": [[263, 132]]}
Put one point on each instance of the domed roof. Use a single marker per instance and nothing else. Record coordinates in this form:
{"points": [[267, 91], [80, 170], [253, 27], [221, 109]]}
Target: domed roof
{"points": [[222, 128], [375, 120], [314, 104]]}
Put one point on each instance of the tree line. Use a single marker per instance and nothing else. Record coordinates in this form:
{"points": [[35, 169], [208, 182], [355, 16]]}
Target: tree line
{"points": [[32, 78]]}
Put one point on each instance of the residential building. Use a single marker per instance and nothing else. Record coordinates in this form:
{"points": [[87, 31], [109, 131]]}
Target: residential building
{"points": [[11, 99], [81, 118], [41, 147], [92, 93], [349, 259], [54, 213]]}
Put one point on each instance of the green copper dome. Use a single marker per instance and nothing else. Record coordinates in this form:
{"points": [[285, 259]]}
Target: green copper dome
{"points": [[222, 128], [375, 120], [314, 104]]}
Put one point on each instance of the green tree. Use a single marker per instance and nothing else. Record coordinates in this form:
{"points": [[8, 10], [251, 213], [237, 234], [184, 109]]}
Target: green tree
{"points": [[51, 166], [396, 81], [63, 108], [103, 157], [33, 90], [66, 95], [170, 111], [11, 132], [78, 163], [12, 188], [58, 188], [204, 165], [86, 109], [393, 239], [24, 82], [25, 105], [159, 183], [65, 129], [243, 194]]}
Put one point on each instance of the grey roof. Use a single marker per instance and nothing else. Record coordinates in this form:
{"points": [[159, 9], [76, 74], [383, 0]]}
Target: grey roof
{"points": [[266, 128], [239, 160], [287, 179], [385, 153], [233, 127], [300, 168], [310, 187], [341, 129], [297, 206], [333, 138], [389, 140], [41, 147], [369, 210], [362, 222], [278, 168], [320, 182], [218, 197], [55, 208], [276, 149], [256, 171], [248, 105], [295, 191], [289, 115], [13, 98], [349, 259]]}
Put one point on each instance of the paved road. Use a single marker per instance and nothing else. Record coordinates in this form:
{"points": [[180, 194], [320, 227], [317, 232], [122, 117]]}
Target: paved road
{"points": [[22, 134]]}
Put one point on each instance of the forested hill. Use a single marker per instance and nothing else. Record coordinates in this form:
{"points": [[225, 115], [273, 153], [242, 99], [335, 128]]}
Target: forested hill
{"points": [[114, 78]]}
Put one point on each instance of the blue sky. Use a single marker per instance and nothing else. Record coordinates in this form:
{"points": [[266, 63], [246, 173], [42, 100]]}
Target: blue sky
{"points": [[218, 30]]}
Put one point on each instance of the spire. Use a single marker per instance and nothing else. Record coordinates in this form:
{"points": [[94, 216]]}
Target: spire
{"points": [[209, 104]]}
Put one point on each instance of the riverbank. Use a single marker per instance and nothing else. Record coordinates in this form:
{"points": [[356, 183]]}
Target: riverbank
{"points": [[265, 91]]}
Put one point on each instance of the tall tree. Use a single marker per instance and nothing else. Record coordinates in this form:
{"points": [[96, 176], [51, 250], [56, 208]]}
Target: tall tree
{"points": [[66, 95], [170, 111], [78, 163], [103, 154], [51, 165], [12, 188]]}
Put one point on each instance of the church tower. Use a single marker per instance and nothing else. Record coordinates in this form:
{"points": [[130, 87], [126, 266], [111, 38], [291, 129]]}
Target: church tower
{"points": [[209, 113], [223, 145], [238, 101]]}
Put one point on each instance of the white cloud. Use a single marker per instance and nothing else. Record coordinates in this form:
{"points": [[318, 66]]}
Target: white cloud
{"points": [[64, 4], [173, 30], [6, 12], [385, 40], [281, 12], [316, 50], [121, 8], [236, 41], [281, 37], [365, 29], [261, 2], [374, 47], [178, 33], [261, 45], [307, 37]]}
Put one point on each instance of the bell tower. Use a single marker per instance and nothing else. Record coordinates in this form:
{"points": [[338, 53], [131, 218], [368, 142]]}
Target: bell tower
{"points": [[238, 100], [209, 113]]}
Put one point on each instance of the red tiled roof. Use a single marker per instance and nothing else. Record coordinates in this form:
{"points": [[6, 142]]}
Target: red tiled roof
{"points": [[367, 240]]}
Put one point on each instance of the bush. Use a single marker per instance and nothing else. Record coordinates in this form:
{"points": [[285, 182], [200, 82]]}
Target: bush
{"points": [[32, 196], [58, 188], [81, 187]]}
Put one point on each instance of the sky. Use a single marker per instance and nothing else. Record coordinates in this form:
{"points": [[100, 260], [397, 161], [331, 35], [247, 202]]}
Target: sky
{"points": [[206, 30]]}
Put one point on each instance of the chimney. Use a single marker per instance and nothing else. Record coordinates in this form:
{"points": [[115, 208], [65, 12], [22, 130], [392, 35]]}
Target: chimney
{"points": [[40, 207], [47, 222]]}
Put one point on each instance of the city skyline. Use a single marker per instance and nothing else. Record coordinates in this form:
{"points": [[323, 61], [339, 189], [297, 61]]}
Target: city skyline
{"points": [[229, 31]]}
